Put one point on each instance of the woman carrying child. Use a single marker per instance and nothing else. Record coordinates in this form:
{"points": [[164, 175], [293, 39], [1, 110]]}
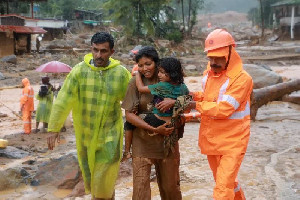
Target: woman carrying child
{"points": [[148, 137]]}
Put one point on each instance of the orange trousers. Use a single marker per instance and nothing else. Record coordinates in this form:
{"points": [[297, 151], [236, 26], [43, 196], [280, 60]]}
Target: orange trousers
{"points": [[225, 169], [26, 116]]}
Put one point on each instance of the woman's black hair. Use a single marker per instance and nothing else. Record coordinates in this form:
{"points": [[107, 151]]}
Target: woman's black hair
{"points": [[149, 52], [173, 68]]}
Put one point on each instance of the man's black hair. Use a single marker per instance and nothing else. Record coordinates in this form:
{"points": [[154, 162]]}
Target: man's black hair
{"points": [[102, 37], [149, 52], [173, 68]]}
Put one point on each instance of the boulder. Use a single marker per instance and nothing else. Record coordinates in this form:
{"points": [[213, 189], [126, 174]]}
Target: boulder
{"points": [[10, 59], [61, 172], [262, 75], [12, 178], [13, 152], [2, 77], [190, 68]]}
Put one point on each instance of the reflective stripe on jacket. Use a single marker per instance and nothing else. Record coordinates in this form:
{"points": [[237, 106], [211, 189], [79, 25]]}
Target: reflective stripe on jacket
{"points": [[225, 109]]}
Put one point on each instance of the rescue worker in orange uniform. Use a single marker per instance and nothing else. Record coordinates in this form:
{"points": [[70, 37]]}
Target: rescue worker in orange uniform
{"points": [[27, 105], [224, 105]]}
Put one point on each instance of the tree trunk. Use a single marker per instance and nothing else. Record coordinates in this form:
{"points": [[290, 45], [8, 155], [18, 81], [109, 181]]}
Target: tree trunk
{"points": [[262, 19], [182, 10], [264, 95], [189, 18]]}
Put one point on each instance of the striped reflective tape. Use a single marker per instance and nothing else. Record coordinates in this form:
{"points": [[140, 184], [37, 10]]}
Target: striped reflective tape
{"points": [[241, 114], [231, 100], [223, 90], [204, 80]]}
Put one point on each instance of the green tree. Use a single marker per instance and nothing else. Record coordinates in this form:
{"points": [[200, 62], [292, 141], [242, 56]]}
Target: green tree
{"points": [[140, 17], [188, 13]]}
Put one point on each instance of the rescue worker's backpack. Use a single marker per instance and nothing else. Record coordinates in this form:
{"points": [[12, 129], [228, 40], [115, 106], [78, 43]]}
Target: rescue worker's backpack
{"points": [[43, 91]]}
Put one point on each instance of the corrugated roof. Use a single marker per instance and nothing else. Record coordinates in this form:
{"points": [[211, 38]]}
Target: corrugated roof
{"points": [[19, 16], [22, 29], [286, 2]]}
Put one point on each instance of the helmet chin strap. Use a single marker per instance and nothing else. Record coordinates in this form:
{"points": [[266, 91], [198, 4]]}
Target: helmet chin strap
{"points": [[229, 55]]}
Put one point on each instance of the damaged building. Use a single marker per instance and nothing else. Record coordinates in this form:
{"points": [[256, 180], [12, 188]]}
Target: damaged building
{"points": [[15, 37], [286, 16]]}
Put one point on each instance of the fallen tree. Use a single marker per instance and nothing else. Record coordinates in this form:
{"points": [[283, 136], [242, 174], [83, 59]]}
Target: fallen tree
{"points": [[264, 95]]}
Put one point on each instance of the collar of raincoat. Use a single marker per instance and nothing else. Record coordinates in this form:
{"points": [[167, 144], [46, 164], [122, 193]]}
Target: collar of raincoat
{"points": [[235, 65], [89, 57], [25, 82]]}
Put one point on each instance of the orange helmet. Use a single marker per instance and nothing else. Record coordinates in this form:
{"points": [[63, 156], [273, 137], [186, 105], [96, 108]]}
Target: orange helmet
{"points": [[217, 39]]}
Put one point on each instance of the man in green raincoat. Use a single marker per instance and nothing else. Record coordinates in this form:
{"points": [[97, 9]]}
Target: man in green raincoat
{"points": [[93, 91]]}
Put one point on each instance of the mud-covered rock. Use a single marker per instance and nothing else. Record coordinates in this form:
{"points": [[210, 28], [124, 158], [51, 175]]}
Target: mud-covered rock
{"points": [[63, 172], [13, 152]]}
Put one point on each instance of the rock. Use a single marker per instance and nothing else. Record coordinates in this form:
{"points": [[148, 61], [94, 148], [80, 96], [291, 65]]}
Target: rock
{"points": [[297, 50], [3, 115], [262, 75], [12, 152], [61, 44], [164, 43], [35, 182], [190, 68], [125, 56], [281, 63], [10, 178], [62, 172], [2, 77], [10, 59], [78, 189]]}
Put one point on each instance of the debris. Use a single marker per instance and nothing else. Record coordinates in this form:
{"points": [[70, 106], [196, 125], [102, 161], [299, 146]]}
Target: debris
{"points": [[264, 95]]}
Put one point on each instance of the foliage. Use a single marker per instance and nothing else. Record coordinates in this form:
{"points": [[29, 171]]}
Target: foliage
{"points": [[190, 10], [142, 17], [176, 36], [65, 8], [14, 7]]}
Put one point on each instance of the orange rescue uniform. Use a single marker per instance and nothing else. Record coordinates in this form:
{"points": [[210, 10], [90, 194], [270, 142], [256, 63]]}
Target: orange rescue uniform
{"points": [[224, 132], [27, 105]]}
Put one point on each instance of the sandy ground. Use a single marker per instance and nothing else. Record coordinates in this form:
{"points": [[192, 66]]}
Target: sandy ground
{"points": [[270, 169]]}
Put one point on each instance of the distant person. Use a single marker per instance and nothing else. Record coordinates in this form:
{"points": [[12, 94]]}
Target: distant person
{"points": [[133, 53], [224, 105], [38, 43], [27, 105], [93, 91], [208, 25], [45, 97]]}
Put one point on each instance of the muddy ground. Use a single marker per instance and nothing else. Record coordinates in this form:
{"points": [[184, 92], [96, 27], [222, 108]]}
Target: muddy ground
{"points": [[270, 169]]}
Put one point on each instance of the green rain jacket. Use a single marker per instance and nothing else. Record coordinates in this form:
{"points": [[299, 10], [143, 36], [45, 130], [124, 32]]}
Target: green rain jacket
{"points": [[44, 107], [94, 94]]}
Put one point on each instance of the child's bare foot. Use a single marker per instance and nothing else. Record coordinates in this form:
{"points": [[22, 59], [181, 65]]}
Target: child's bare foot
{"points": [[126, 156]]}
